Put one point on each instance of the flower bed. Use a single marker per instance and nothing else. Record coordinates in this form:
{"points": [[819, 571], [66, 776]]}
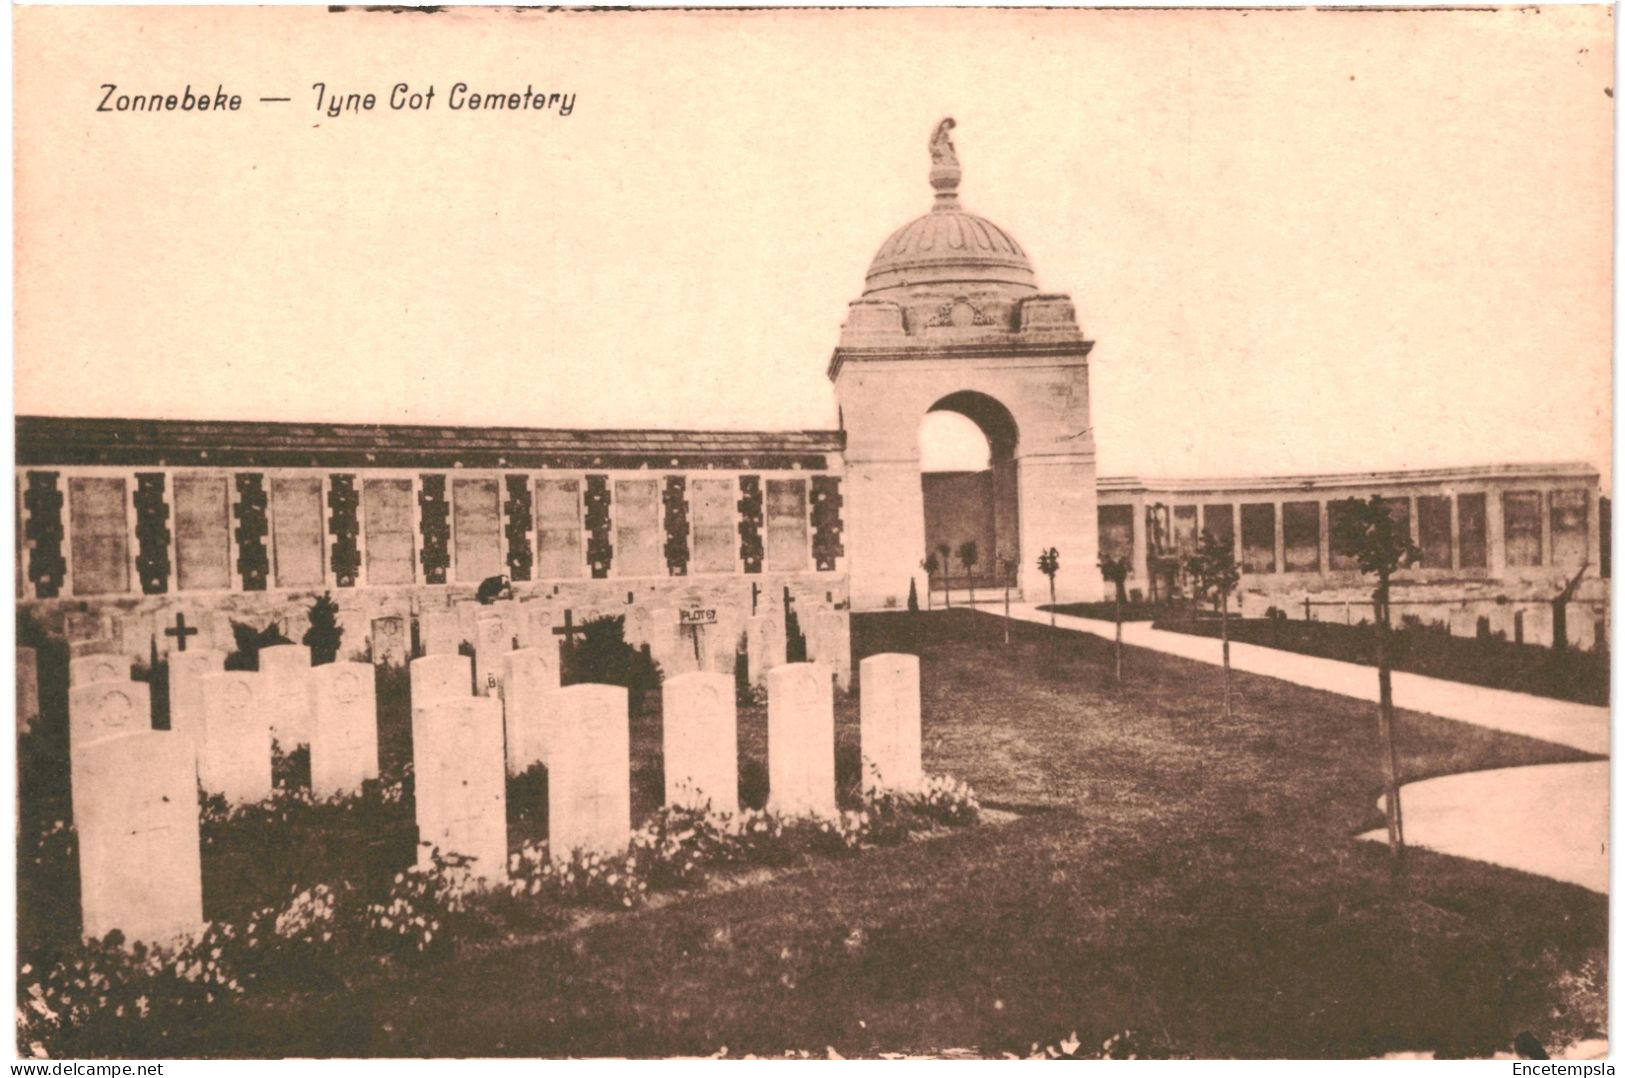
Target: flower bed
{"points": [[101, 999]]}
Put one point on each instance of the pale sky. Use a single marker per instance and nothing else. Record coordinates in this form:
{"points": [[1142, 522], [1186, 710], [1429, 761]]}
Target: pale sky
{"points": [[1301, 240]]}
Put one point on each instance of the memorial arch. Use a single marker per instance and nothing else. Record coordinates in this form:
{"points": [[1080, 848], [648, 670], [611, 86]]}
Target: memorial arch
{"points": [[972, 497], [952, 319]]}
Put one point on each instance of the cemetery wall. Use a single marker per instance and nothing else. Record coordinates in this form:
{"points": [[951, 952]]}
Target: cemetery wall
{"points": [[1498, 542], [127, 525]]}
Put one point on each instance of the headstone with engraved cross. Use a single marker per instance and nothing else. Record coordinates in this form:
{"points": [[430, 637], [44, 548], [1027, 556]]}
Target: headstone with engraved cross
{"points": [[765, 645], [459, 784], [106, 709], [829, 641], [700, 728], [491, 642], [285, 683], [390, 647], [801, 740], [344, 736], [541, 617], [890, 716], [530, 678], [439, 633], [186, 692], [88, 668], [136, 817], [434, 676], [589, 794], [235, 757]]}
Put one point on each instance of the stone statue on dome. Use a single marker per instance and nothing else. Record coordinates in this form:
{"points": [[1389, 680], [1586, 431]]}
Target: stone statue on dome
{"points": [[942, 147]]}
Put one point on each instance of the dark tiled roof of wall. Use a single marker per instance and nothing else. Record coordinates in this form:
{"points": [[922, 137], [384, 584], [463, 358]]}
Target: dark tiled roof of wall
{"points": [[43, 441]]}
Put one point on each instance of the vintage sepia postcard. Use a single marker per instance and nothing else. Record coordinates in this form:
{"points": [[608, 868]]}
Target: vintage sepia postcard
{"points": [[864, 533]]}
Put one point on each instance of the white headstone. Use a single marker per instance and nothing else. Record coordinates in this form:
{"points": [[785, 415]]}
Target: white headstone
{"points": [[285, 687], [390, 647], [890, 717], [540, 618], [459, 783], [439, 633], [701, 730], [589, 790], [722, 642], [27, 688], [513, 619], [107, 709], [436, 676], [766, 645], [344, 737], [186, 668], [218, 634], [668, 642], [135, 811], [491, 643], [468, 612], [135, 636], [102, 667], [80, 626], [829, 642], [639, 624], [235, 757], [530, 678], [801, 740]]}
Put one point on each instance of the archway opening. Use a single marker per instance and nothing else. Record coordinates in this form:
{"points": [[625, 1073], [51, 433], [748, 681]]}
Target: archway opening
{"points": [[968, 485]]}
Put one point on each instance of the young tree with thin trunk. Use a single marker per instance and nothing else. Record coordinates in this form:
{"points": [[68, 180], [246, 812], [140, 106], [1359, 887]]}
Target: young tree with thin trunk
{"points": [[967, 558], [1049, 563], [1007, 570], [1214, 570], [1116, 571], [930, 565], [947, 557], [1369, 532]]}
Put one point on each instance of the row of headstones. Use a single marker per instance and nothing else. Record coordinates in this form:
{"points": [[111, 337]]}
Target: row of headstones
{"points": [[136, 811], [495, 628], [231, 717]]}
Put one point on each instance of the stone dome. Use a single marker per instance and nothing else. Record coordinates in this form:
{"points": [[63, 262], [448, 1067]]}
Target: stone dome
{"points": [[948, 247]]}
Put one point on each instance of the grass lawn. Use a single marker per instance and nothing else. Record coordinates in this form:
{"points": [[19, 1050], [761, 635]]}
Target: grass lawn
{"points": [[1107, 610], [1496, 663], [1171, 872]]}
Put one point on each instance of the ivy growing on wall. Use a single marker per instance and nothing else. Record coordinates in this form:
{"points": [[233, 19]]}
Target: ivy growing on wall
{"points": [[436, 514], [750, 522], [344, 524], [253, 563], [520, 553], [826, 521], [600, 552], [676, 503], [151, 533], [46, 566]]}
